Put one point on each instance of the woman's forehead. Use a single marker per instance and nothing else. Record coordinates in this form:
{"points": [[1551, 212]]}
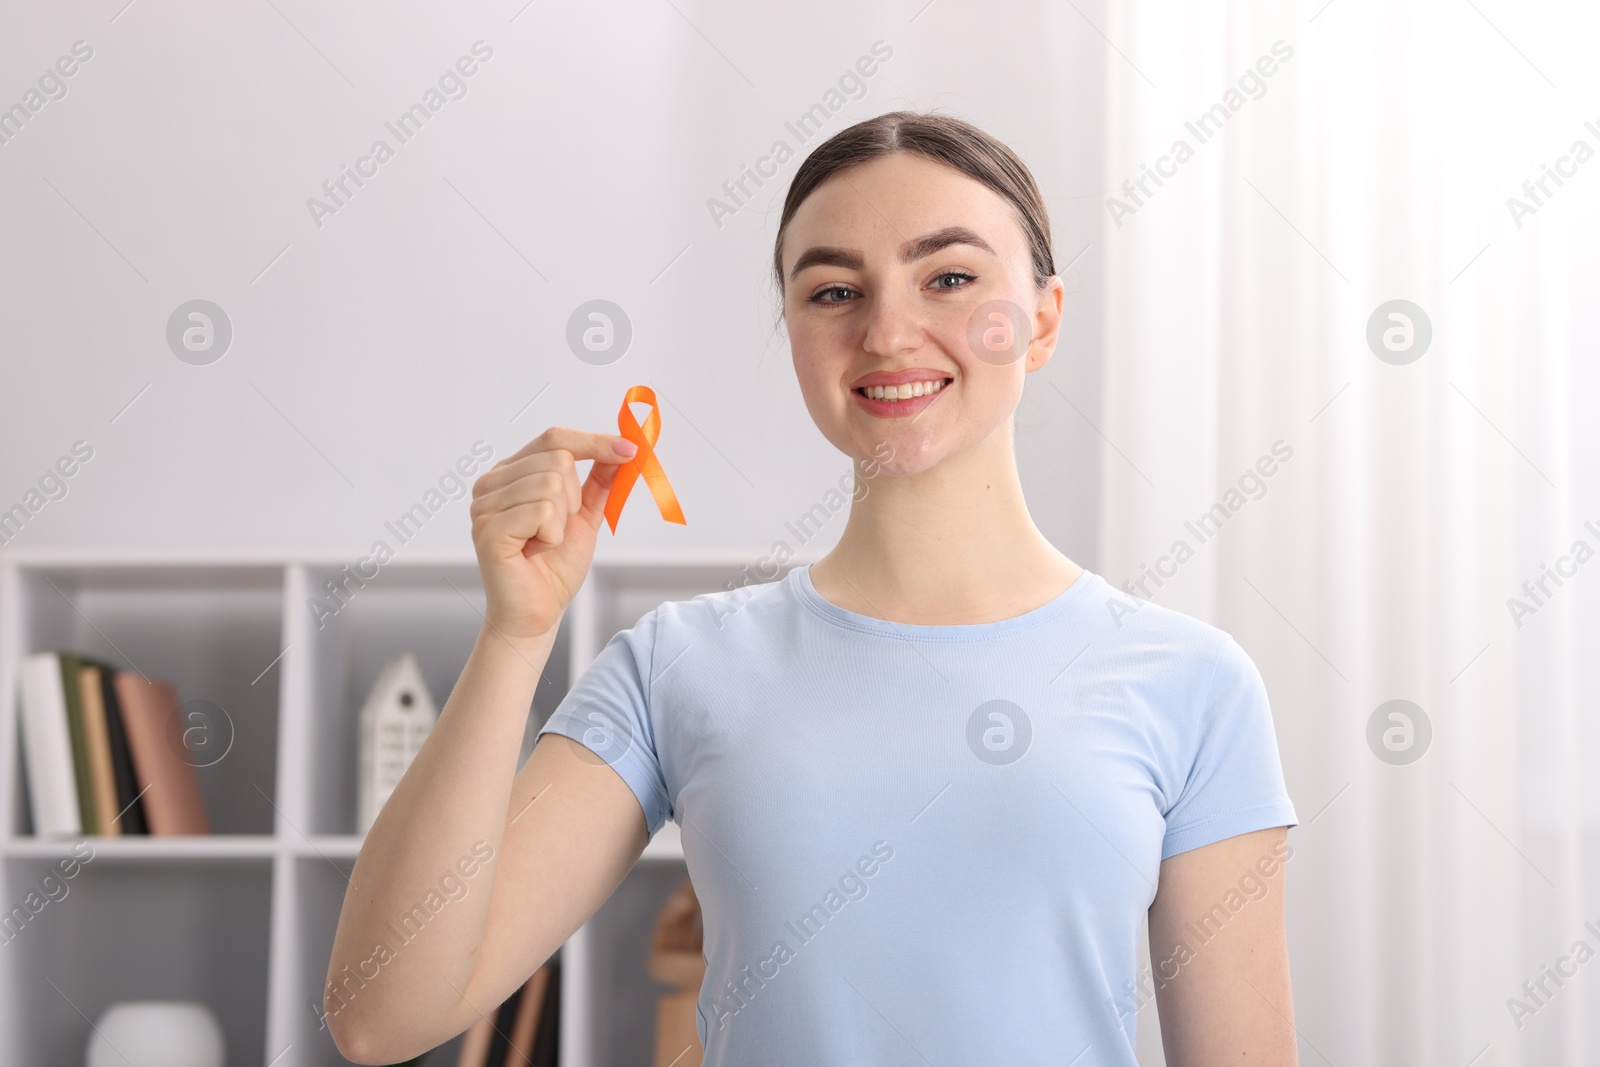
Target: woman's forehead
{"points": [[881, 206]]}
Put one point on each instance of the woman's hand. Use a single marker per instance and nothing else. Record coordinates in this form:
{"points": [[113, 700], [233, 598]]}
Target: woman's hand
{"points": [[534, 527]]}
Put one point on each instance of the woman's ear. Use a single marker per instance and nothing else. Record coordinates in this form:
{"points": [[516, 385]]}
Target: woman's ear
{"points": [[1046, 322]]}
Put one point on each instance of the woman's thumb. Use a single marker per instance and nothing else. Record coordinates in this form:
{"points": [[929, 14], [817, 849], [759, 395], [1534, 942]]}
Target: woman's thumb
{"points": [[597, 486]]}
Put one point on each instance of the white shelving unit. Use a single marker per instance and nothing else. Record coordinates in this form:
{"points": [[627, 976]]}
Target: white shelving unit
{"points": [[243, 919]]}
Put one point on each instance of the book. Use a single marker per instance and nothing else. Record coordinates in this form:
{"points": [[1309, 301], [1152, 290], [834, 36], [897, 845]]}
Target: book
{"points": [[129, 802], [97, 745], [500, 1040], [507, 1036], [519, 1051], [475, 1045], [172, 800], [71, 664], [47, 746], [547, 1039]]}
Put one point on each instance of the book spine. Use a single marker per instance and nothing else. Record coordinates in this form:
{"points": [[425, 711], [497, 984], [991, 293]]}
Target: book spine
{"points": [[504, 1017], [48, 748], [97, 744], [129, 802], [70, 665]]}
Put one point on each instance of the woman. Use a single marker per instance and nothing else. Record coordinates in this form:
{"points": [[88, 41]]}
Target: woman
{"points": [[930, 786]]}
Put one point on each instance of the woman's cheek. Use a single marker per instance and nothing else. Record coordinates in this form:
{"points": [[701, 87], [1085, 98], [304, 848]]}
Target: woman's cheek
{"points": [[819, 357]]}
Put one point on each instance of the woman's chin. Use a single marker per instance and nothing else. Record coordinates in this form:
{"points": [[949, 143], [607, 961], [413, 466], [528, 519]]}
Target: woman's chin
{"points": [[898, 458]]}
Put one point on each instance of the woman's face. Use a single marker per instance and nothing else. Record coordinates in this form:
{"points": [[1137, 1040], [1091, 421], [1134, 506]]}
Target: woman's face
{"points": [[905, 270]]}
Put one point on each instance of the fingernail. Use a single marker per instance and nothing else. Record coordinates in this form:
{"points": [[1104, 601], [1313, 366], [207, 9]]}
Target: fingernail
{"points": [[624, 448]]}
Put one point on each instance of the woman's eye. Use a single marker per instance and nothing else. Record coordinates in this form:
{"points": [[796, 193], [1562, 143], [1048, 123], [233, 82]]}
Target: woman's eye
{"points": [[961, 277], [822, 295]]}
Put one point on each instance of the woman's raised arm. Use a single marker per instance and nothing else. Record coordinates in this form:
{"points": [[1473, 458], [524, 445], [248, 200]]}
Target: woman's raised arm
{"points": [[474, 872]]}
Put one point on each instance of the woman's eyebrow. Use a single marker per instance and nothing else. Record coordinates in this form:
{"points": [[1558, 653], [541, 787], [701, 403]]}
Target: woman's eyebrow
{"points": [[928, 244], [910, 252]]}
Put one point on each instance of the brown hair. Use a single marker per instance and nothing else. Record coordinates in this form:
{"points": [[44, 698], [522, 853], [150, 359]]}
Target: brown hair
{"points": [[943, 139]]}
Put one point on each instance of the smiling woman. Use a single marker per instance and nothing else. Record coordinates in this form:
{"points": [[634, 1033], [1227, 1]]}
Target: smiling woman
{"points": [[943, 681]]}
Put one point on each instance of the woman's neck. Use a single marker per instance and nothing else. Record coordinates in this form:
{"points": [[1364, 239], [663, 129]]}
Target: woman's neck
{"points": [[951, 545]]}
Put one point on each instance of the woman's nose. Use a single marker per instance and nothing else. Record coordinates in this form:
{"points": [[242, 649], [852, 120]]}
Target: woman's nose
{"points": [[894, 324]]}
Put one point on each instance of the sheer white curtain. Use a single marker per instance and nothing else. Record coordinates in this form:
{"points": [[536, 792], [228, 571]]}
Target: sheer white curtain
{"points": [[1367, 155]]}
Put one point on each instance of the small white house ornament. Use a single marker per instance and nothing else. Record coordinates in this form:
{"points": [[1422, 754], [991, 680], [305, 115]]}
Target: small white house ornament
{"points": [[395, 721]]}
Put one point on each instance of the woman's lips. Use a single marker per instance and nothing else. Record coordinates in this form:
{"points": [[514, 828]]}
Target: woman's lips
{"points": [[901, 409]]}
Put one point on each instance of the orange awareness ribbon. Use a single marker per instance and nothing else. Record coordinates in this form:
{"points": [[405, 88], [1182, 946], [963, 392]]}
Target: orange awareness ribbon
{"points": [[644, 461]]}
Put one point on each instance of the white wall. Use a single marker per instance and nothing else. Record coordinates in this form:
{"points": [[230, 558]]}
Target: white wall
{"points": [[431, 308]]}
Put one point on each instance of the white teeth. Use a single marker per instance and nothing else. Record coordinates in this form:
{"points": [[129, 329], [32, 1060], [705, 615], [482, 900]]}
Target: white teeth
{"points": [[903, 392]]}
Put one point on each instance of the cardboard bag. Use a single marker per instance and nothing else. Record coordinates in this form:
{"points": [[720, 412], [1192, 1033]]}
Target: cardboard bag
{"points": [[675, 960]]}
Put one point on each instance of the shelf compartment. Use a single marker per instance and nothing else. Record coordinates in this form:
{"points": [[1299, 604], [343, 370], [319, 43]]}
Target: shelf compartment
{"points": [[213, 631], [435, 612], [198, 932]]}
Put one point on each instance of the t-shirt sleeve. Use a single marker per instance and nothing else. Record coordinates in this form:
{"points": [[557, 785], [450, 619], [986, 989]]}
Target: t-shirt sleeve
{"points": [[1235, 783], [608, 712]]}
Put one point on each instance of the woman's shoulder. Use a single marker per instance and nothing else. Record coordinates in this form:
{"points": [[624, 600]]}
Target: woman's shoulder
{"points": [[1158, 636], [716, 611]]}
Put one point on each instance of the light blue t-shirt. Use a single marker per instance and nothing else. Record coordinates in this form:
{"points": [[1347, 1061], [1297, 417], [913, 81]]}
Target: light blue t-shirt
{"points": [[928, 844]]}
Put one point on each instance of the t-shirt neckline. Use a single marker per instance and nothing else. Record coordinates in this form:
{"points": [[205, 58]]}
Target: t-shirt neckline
{"points": [[799, 581]]}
